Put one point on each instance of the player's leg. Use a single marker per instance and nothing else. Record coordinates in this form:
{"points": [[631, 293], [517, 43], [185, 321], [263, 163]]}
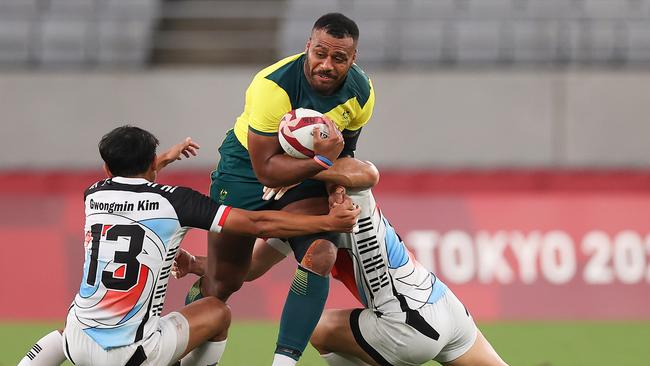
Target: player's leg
{"points": [[266, 254], [480, 354], [309, 289], [468, 346], [334, 340], [229, 255], [47, 351], [228, 262], [208, 321]]}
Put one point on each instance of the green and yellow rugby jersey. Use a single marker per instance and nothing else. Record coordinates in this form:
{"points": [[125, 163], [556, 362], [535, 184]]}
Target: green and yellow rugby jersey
{"points": [[283, 86]]}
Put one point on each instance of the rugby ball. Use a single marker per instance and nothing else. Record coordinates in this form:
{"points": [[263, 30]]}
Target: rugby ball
{"points": [[296, 132]]}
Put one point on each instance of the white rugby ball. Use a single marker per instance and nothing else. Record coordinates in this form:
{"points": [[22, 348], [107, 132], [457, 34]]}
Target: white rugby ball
{"points": [[296, 132]]}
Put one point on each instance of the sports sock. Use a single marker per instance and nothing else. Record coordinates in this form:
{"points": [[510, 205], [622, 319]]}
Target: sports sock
{"points": [[302, 310], [337, 359], [207, 354], [47, 351], [282, 360], [194, 293]]}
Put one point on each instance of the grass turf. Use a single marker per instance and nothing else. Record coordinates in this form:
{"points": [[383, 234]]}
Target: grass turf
{"points": [[519, 343]]}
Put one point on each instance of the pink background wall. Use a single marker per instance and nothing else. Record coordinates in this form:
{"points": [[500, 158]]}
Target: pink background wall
{"points": [[512, 245]]}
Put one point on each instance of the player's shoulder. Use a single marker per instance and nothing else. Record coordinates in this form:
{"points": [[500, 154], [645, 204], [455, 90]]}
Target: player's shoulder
{"points": [[359, 83], [282, 69], [277, 84], [166, 190], [96, 186]]}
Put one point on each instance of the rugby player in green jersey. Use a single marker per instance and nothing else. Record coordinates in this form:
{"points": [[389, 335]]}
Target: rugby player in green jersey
{"points": [[324, 78]]}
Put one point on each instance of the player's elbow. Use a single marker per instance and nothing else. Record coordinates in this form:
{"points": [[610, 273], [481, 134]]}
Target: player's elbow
{"points": [[372, 174], [367, 177], [268, 180]]}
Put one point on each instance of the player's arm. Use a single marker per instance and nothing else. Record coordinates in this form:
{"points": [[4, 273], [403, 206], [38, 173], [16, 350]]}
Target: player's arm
{"points": [[280, 224], [199, 211], [350, 173], [275, 169], [187, 148]]}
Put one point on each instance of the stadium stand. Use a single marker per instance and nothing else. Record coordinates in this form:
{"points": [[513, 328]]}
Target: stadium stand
{"points": [[426, 33], [76, 33]]}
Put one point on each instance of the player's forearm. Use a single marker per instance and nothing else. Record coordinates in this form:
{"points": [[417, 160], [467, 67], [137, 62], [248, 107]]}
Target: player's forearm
{"points": [[350, 173], [282, 170], [199, 265], [278, 224]]}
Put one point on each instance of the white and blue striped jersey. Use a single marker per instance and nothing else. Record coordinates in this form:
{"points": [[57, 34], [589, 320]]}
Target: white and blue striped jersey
{"points": [[378, 267], [132, 233]]}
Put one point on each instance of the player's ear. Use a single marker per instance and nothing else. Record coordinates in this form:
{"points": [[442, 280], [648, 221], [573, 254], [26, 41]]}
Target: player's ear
{"points": [[307, 45], [107, 171], [152, 172]]}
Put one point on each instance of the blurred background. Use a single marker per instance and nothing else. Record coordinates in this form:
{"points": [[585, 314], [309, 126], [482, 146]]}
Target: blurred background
{"points": [[512, 137]]}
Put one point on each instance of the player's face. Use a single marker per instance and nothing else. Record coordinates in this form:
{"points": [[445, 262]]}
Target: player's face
{"points": [[328, 61]]}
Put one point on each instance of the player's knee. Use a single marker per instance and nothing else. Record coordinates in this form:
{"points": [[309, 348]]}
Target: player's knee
{"points": [[221, 289], [324, 331], [320, 257], [220, 318]]}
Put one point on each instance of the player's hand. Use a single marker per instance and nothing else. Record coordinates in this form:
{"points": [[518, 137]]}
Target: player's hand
{"points": [[344, 216], [182, 264], [185, 148], [331, 146], [268, 193], [336, 196]]}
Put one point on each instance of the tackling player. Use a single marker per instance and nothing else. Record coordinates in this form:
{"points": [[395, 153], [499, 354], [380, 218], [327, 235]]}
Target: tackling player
{"points": [[409, 318], [324, 78], [133, 231]]}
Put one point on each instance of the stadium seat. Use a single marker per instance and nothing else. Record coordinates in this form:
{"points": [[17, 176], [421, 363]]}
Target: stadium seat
{"points": [[123, 42], [534, 41], [74, 9], [421, 41], [478, 41], [18, 9], [606, 9], [131, 9], [360, 10], [293, 35], [638, 42], [545, 9], [308, 9], [376, 38], [491, 9], [63, 42], [15, 41], [606, 41], [427, 9]]}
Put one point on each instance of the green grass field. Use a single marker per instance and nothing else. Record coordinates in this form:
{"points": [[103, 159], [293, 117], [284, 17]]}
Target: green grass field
{"points": [[519, 343]]}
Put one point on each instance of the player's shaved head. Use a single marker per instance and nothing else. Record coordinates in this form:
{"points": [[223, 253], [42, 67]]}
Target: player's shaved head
{"points": [[338, 26], [128, 151]]}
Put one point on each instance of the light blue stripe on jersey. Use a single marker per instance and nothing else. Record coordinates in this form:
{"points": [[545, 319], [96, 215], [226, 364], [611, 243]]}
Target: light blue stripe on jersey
{"points": [[437, 291], [132, 312], [395, 249], [164, 228], [113, 337], [85, 290]]}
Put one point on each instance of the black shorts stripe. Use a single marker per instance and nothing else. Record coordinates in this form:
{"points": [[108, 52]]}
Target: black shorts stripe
{"points": [[356, 331], [137, 358], [67, 350]]}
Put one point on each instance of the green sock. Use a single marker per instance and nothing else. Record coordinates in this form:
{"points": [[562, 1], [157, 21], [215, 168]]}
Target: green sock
{"points": [[302, 310], [194, 293]]}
